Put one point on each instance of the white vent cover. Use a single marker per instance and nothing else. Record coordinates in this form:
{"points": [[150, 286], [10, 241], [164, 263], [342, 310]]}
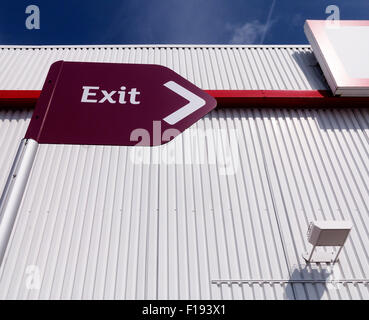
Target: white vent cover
{"points": [[326, 233]]}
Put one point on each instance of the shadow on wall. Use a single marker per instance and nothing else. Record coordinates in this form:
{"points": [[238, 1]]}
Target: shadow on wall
{"points": [[309, 65], [296, 290], [343, 119]]}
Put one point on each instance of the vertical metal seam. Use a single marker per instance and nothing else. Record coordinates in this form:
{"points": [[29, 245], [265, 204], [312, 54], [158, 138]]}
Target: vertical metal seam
{"points": [[275, 209]]}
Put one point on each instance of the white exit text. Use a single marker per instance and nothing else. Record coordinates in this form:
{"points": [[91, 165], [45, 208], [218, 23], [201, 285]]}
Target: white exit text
{"points": [[92, 94]]}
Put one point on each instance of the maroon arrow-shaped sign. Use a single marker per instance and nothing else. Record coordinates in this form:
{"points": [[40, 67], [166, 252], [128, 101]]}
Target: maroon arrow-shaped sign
{"points": [[115, 104]]}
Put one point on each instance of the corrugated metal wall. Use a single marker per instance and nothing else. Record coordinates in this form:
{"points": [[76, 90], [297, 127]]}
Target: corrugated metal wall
{"points": [[209, 67], [318, 169], [163, 222], [13, 126], [173, 222]]}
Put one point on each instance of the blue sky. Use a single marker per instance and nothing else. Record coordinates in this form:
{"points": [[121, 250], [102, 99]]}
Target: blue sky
{"points": [[169, 21]]}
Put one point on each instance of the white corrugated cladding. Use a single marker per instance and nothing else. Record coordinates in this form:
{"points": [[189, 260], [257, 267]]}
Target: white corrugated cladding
{"points": [[209, 67], [120, 222], [13, 126], [173, 222]]}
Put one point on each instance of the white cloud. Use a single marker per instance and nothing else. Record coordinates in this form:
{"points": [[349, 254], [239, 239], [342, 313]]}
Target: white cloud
{"points": [[250, 33], [254, 31]]}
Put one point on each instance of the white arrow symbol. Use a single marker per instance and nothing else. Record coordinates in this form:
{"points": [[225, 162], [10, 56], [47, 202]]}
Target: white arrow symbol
{"points": [[195, 103]]}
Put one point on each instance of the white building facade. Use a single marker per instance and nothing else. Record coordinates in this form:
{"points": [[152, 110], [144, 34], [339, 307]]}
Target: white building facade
{"points": [[220, 212]]}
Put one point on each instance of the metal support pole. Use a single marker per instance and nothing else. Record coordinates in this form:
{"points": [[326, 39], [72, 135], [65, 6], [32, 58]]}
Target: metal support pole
{"points": [[13, 192], [311, 253], [338, 252]]}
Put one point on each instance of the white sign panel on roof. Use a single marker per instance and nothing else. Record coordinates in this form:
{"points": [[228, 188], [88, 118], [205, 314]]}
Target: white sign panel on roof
{"points": [[342, 50]]}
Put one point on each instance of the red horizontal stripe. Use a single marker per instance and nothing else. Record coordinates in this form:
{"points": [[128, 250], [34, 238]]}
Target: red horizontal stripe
{"points": [[229, 98], [19, 94], [285, 99], [19, 98], [34, 94], [268, 93]]}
